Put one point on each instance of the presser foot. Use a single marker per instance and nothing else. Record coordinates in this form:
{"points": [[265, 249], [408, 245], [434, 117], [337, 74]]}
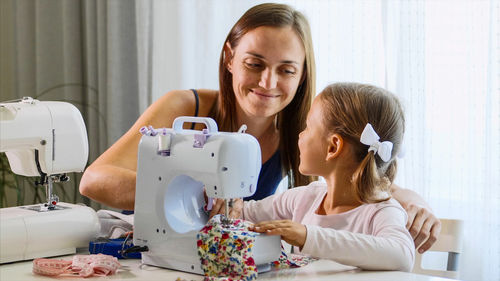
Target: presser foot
{"points": [[43, 208], [225, 221]]}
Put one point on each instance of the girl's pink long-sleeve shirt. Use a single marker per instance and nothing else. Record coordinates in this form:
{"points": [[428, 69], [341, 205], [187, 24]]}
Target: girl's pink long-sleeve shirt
{"points": [[371, 236]]}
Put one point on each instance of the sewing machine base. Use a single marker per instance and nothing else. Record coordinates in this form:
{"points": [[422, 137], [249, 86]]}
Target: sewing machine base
{"points": [[187, 266], [26, 233], [266, 249]]}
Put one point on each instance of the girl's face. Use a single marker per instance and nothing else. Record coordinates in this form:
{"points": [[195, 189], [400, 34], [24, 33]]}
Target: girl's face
{"points": [[267, 68], [313, 142]]}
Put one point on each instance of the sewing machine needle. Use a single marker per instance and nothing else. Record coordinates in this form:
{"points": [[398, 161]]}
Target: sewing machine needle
{"points": [[226, 221], [226, 209]]}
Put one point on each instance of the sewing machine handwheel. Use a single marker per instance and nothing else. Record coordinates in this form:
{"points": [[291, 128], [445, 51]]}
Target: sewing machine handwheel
{"points": [[209, 122]]}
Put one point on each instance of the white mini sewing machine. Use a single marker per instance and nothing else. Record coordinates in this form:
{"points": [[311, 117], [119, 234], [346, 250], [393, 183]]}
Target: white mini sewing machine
{"points": [[173, 166], [45, 139]]}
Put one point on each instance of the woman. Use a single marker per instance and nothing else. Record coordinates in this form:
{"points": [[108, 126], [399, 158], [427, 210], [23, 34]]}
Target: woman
{"points": [[267, 81]]}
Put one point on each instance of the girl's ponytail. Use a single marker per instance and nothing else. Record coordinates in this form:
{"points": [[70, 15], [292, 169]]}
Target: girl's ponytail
{"points": [[370, 186]]}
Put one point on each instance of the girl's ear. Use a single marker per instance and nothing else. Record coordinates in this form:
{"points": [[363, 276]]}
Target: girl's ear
{"points": [[228, 56], [335, 146]]}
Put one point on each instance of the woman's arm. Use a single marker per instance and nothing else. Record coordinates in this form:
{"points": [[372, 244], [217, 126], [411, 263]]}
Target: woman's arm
{"points": [[112, 185], [423, 226], [111, 178]]}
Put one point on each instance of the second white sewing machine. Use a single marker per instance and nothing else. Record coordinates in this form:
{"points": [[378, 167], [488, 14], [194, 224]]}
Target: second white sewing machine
{"points": [[47, 140], [173, 167]]}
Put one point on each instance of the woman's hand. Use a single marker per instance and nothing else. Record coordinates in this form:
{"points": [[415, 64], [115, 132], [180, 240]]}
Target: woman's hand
{"points": [[292, 232], [235, 212], [423, 226]]}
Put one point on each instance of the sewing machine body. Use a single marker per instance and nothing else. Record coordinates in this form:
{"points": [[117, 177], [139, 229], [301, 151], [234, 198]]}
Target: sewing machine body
{"points": [[48, 140], [169, 191], [55, 129]]}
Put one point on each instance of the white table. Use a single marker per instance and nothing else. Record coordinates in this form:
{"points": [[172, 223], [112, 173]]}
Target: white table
{"points": [[131, 270]]}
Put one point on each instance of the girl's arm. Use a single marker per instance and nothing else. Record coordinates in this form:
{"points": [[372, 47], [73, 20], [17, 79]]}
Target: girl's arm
{"points": [[388, 247], [264, 209], [111, 178], [281, 206], [274, 207], [423, 225]]}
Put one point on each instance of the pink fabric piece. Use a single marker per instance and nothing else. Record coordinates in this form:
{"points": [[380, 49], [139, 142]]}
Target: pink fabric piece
{"points": [[82, 265]]}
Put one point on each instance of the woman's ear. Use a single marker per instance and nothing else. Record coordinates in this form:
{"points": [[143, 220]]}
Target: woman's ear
{"points": [[335, 146], [228, 56]]}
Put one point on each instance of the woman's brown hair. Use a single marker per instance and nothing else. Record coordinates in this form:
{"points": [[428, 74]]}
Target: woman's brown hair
{"points": [[347, 108], [291, 120]]}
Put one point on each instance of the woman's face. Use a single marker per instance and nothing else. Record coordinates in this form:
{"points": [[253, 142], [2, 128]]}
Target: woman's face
{"points": [[267, 68], [313, 144]]}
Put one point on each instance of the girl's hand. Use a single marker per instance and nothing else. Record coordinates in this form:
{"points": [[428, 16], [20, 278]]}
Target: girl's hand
{"points": [[219, 208], [292, 232]]}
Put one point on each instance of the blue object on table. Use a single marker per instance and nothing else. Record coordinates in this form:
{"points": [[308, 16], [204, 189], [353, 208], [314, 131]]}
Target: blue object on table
{"points": [[113, 247]]}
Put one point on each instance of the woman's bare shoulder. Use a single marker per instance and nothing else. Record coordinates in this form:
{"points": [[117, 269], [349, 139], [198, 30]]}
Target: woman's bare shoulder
{"points": [[180, 103], [184, 100]]}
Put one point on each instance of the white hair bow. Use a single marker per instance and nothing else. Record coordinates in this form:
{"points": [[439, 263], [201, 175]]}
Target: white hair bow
{"points": [[370, 137]]}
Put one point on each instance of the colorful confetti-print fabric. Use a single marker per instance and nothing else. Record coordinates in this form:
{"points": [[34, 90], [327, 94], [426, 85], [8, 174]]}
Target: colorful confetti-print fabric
{"points": [[227, 251]]}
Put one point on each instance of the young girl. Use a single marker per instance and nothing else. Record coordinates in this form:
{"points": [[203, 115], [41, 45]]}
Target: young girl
{"points": [[351, 218]]}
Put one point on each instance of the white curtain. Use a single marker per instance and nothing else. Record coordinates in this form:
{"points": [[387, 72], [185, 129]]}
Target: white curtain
{"points": [[86, 52], [440, 57]]}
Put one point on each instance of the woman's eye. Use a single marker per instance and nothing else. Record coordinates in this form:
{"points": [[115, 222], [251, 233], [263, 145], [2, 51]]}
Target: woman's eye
{"points": [[289, 71], [253, 65]]}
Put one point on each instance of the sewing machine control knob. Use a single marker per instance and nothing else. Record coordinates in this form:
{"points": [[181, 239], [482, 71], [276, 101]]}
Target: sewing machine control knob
{"points": [[152, 131], [148, 131], [201, 139]]}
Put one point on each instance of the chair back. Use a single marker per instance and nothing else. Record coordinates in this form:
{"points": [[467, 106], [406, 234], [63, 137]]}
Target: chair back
{"points": [[450, 240]]}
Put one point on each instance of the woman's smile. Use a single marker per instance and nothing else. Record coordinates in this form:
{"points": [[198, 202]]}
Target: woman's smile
{"points": [[264, 94]]}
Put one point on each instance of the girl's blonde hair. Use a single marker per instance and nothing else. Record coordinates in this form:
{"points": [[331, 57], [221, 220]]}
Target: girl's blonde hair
{"points": [[291, 120], [347, 108]]}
